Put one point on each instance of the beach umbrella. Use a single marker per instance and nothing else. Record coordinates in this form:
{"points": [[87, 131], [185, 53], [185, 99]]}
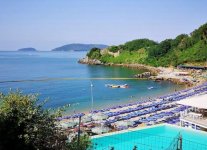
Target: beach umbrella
{"points": [[125, 123], [99, 116], [75, 120], [100, 130], [68, 124], [86, 118], [64, 125]]}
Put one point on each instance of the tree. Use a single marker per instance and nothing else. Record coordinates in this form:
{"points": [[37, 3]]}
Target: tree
{"points": [[138, 44], [25, 125], [200, 34], [94, 53], [178, 39], [113, 49], [184, 43], [165, 46], [83, 144]]}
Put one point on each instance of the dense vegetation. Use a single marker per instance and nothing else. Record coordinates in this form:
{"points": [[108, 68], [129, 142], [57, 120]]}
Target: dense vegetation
{"points": [[94, 53], [25, 125], [183, 49]]}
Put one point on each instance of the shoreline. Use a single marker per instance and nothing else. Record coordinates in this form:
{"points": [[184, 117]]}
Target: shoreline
{"points": [[86, 112], [125, 101], [153, 70], [189, 78], [140, 112]]}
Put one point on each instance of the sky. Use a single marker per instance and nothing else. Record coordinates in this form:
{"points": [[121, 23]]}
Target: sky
{"points": [[46, 24]]}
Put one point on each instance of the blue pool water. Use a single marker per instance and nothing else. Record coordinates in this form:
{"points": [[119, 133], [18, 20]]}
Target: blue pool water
{"points": [[162, 137]]}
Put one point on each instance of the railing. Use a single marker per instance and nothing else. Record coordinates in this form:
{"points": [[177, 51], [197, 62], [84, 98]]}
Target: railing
{"points": [[135, 141], [176, 143], [145, 141], [192, 145], [198, 121]]}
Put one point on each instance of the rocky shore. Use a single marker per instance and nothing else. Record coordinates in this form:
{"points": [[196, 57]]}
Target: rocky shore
{"points": [[143, 75], [152, 70], [88, 61], [178, 76]]}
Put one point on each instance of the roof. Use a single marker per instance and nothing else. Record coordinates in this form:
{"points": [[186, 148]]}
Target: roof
{"points": [[182, 72], [195, 101], [192, 67]]}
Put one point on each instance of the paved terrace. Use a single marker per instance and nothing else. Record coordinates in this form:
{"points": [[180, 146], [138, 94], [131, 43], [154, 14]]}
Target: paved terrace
{"points": [[201, 122]]}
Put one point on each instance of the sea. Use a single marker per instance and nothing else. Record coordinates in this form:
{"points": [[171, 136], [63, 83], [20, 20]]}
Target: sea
{"points": [[58, 77]]}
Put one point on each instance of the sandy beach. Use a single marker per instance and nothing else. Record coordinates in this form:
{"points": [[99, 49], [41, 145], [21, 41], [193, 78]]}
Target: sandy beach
{"points": [[163, 109]]}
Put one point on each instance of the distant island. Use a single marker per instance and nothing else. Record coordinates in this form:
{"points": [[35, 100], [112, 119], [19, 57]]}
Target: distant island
{"points": [[79, 47], [28, 49]]}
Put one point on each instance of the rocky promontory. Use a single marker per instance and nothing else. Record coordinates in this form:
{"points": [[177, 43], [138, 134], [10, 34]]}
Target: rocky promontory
{"points": [[89, 61], [154, 73]]}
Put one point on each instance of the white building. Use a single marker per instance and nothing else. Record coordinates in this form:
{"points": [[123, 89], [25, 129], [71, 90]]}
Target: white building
{"points": [[196, 116]]}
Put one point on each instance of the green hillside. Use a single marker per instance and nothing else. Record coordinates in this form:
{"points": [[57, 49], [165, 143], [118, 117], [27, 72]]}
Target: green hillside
{"points": [[184, 49]]}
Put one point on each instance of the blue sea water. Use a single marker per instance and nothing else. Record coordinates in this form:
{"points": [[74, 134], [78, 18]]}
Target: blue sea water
{"points": [[29, 68]]}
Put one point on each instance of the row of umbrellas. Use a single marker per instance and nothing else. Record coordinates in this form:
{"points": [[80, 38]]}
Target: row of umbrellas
{"points": [[103, 129], [98, 117], [100, 129], [84, 119], [66, 125], [126, 123]]}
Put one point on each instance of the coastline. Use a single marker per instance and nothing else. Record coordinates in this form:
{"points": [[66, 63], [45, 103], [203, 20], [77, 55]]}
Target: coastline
{"points": [[190, 78], [131, 99], [141, 111]]}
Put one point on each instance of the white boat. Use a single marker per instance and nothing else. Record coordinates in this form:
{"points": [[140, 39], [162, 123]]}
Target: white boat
{"points": [[151, 87], [117, 86], [124, 86]]}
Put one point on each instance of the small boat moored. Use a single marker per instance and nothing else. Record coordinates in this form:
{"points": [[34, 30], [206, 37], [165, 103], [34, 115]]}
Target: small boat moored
{"points": [[117, 86], [151, 87]]}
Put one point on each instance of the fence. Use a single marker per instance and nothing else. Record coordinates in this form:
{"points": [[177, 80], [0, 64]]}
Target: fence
{"points": [[134, 141], [145, 141], [176, 143], [193, 145]]}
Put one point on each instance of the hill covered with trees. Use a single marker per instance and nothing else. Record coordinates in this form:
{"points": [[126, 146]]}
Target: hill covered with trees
{"points": [[79, 47], [28, 49], [184, 49]]}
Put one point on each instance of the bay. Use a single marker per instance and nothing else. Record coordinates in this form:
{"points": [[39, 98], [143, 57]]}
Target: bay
{"points": [[58, 76]]}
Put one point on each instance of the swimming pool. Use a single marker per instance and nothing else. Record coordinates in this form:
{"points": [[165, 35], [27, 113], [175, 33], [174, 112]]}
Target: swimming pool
{"points": [[159, 137]]}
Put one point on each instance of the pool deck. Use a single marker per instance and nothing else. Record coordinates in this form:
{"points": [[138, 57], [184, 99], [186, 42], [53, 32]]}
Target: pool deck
{"points": [[201, 122], [148, 127], [127, 130]]}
